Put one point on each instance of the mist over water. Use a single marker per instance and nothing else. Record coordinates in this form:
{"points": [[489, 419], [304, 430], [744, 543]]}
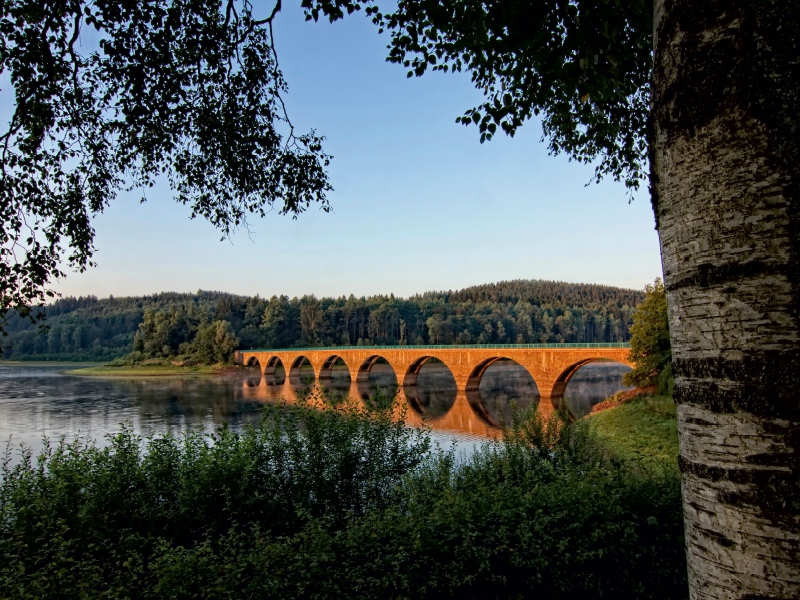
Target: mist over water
{"points": [[45, 400]]}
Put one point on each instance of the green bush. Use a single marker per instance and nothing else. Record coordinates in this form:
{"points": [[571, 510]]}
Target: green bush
{"points": [[340, 502], [666, 381], [651, 349]]}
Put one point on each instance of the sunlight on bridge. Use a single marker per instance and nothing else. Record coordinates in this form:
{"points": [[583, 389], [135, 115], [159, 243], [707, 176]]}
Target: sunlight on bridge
{"points": [[358, 370]]}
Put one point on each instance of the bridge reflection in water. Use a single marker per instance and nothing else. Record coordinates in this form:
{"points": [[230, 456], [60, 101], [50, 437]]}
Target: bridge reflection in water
{"points": [[457, 389]]}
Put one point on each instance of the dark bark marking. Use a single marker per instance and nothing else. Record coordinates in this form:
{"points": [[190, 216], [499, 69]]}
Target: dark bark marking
{"points": [[696, 421], [707, 275], [757, 477], [770, 402], [722, 540], [736, 69], [763, 383], [767, 460], [776, 494]]}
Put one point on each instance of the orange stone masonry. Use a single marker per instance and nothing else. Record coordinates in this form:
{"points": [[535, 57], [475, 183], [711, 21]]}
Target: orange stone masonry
{"points": [[550, 367]]}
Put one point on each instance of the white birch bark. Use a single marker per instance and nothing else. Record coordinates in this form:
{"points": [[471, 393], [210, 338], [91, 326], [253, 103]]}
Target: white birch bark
{"points": [[726, 195]]}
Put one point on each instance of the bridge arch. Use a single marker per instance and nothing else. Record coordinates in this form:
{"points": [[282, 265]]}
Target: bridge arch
{"points": [[336, 380], [497, 410], [363, 383], [366, 366], [326, 370], [559, 388], [474, 379], [253, 362], [412, 373], [429, 402], [560, 385], [272, 375], [293, 373]]}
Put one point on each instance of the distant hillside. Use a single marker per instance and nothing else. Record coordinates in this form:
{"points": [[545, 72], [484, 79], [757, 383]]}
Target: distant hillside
{"points": [[538, 293], [520, 311]]}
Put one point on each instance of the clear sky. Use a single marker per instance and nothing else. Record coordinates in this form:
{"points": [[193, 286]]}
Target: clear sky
{"points": [[419, 204]]}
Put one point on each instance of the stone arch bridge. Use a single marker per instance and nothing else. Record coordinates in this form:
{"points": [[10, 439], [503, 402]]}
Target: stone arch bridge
{"points": [[550, 365]]}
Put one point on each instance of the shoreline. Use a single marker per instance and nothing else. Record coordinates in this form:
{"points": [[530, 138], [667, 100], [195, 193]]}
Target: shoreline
{"points": [[155, 370]]}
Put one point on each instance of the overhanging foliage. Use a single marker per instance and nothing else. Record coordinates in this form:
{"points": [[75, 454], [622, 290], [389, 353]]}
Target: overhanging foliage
{"points": [[110, 96]]}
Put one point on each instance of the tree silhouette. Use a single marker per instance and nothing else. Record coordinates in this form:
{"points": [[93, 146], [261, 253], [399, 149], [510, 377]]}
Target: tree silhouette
{"points": [[183, 89]]}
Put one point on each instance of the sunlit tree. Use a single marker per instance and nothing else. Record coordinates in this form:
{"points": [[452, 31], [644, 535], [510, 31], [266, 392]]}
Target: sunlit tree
{"points": [[650, 345]]}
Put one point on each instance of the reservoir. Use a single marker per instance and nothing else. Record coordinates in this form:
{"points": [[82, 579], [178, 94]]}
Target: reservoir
{"points": [[39, 401]]}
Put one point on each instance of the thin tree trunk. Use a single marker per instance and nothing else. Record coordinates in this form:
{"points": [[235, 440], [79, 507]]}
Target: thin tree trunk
{"points": [[726, 195]]}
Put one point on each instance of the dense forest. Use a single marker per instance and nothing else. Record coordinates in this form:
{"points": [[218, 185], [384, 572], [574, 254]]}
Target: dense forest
{"points": [[207, 324]]}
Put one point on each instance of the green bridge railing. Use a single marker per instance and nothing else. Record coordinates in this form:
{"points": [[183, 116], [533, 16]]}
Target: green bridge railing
{"points": [[445, 347]]}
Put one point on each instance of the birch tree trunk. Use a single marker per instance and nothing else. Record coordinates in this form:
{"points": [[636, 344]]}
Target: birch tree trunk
{"points": [[726, 195]]}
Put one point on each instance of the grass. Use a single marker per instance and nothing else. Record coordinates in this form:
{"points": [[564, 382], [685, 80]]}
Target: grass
{"points": [[644, 430], [150, 370]]}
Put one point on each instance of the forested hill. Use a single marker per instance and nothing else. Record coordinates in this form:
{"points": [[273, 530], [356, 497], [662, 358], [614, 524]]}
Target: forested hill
{"points": [[538, 293], [520, 311]]}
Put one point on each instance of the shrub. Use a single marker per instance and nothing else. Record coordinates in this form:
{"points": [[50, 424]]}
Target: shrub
{"points": [[339, 502], [650, 342]]}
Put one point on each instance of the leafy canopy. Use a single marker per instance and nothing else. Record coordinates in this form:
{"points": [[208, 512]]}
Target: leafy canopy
{"points": [[109, 96], [583, 66]]}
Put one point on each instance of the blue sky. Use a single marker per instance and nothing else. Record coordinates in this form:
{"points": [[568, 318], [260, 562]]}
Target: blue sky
{"points": [[419, 204]]}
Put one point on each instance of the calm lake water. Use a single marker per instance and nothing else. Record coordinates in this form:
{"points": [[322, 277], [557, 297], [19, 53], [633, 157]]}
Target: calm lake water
{"points": [[45, 400]]}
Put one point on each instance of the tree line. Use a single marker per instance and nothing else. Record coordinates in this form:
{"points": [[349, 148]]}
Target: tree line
{"points": [[168, 324]]}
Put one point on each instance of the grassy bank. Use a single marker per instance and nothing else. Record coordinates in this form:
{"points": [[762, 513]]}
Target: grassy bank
{"points": [[340, 502], [47, 363], [644, 430], [152, 370]]}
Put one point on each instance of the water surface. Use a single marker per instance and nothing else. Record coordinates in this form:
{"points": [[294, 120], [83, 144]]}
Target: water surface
{"points": [[45, 400]]}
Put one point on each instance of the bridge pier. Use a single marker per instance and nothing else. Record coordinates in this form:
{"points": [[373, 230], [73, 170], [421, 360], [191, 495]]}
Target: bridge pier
{"points": [[546, 406]]}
